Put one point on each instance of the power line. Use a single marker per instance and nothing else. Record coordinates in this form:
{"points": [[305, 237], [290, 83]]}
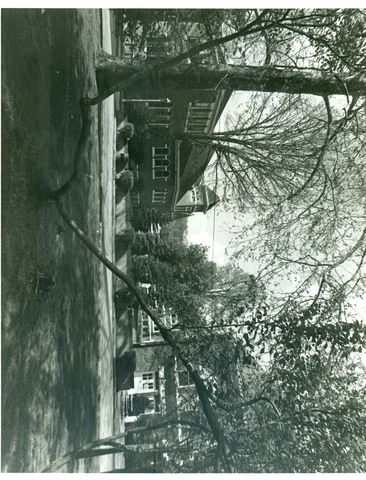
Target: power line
{"points": [[213, 245]]}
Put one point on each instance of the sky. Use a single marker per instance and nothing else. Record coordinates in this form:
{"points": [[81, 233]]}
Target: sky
{"points": [[205, 230], [211, 229]]}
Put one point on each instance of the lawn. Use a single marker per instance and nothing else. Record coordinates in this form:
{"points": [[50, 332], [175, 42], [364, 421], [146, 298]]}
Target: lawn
{"points": [[50, 394]]}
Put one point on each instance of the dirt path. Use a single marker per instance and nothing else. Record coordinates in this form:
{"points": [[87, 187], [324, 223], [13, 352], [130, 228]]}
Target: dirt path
{"points": [[107, 341], [50, 339]]}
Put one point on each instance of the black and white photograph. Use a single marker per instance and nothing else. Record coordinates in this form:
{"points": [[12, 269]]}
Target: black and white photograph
{"points": [[183, 240]]}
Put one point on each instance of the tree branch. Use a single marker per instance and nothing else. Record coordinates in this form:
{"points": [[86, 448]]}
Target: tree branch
{"points": [[249, 29], [166, 334], [92, 446], [322, 151]]}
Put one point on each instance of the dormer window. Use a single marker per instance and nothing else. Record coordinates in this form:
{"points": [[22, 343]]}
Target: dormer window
{"points": [[195, 196]]}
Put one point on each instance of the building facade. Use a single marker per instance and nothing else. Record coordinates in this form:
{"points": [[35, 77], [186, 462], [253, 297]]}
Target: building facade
{"points": [[170, 164]]}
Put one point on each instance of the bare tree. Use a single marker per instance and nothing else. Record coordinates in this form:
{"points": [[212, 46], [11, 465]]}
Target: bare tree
{"points": [[296, 209]]}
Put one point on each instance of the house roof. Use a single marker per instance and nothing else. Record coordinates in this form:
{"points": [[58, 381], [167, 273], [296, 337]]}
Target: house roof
{"points": [[198, 158], [211, 198], [194, 171]]}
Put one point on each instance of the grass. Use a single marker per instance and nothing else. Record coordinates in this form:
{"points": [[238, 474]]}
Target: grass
{"points": [[49, 340]]}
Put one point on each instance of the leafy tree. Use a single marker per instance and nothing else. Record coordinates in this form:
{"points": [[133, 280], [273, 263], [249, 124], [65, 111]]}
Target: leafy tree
{"points": [[268, 440], [178, 230], [180, 273], [243, 437], [115, 74]]}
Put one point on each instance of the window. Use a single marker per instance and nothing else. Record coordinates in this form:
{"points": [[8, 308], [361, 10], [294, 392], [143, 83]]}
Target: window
{"points": [[195, 195], [161, 173], [145, 327], [157, 151], [160, 162], [159, 196], [157, 47], [160, 116], [200, 113], [160, 120], [198, 120], [184, 379], [199, 104], [135, 198], [149, 331], [148, 381], [195, 128], [164, 105]]}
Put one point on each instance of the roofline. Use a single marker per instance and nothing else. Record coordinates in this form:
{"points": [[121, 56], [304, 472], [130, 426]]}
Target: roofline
{"points": [[205, 210], [222, 99], [177, 173]]}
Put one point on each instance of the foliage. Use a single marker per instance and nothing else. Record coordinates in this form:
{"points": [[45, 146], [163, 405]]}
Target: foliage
{"points": [[154, 244], [281, 39], [162, 247], [322, 406], [126, 236], [282, 389], [177, 229], [335, 48], [277, 376], [139, 116], [307, 216], [294, 164], [180, 273], [149, 219], [140, 26], [124, 132], [125, 180], [300, 411], [127, 130]]}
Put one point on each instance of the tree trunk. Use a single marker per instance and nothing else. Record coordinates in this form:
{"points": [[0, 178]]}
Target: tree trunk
{"points": [[91, 449], [166, 334], [106, 68], [232, 77]]}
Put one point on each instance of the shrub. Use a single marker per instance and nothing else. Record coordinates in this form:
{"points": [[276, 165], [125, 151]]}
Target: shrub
{"points": [[140, 218], [140, 270], [141, 245], [127, 236], [128, 130], [125, 180], [123, 134], [138, 114]]}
